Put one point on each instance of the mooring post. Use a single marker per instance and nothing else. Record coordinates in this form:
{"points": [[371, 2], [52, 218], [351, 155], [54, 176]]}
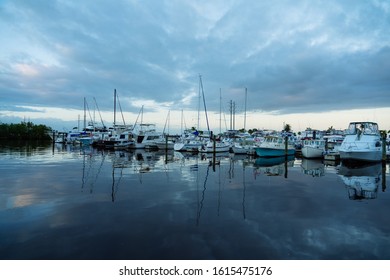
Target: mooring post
{"points": [[384, 157], [214, 151], [286, 146]]}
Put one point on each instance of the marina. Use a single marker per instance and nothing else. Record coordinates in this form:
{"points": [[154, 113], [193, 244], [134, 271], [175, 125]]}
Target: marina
{"points": [[80, 202]]}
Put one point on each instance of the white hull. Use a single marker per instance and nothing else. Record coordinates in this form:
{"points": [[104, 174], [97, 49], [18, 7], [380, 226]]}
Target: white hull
{"points": [[190, 146], [165, 146], [312, 152], [220, 147]]}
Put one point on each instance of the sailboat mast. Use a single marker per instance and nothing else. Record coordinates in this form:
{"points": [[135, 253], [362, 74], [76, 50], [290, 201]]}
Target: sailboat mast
{"points": [[181, 123], [114, 107], [245, 110], [220, 110], [198, 125], [85, 114]]}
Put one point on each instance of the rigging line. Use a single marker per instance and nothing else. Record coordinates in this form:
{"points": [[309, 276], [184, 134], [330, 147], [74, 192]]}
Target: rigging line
{"points": [[89, 112], [204, 103], [166, 121], [120, 108], [101, 119], [136, 120]]}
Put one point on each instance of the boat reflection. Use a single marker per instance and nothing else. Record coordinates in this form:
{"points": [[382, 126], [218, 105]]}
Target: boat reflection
{"points": [[275, 166], [362, 181], [312, 167]]}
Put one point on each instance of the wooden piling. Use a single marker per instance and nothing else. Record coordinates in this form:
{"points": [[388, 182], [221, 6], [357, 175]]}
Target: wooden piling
{"points": [[384, 156], [286, 146], [214, 151]]}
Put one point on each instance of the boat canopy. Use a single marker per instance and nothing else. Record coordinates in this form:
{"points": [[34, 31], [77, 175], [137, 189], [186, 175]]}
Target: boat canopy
{"points": [[367, 128]]}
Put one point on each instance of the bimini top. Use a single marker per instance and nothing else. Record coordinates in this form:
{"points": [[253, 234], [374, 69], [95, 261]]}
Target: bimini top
{"points": [[367, 128]]}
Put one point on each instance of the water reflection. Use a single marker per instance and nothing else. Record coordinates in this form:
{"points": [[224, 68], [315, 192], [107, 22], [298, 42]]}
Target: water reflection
{"points": [[90, 175], [184, 206], [313, 167], [273, 166], [362, 181]]}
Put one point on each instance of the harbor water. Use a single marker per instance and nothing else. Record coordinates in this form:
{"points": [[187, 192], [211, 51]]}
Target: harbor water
{"points": [[65, 202]]}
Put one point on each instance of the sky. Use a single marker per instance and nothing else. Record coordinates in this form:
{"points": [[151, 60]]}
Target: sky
{"points": [[315, 64]]}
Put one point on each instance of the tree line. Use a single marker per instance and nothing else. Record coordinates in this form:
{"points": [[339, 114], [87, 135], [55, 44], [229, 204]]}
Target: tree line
{"points": [[24, 131]]}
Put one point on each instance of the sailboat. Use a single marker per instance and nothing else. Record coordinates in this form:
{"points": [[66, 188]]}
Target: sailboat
{"points": [[116, 136], [214, 144], [164, 143], [191, 141]]}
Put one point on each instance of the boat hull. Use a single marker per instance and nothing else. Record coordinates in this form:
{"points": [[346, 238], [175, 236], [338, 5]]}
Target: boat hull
{"points": [[361, 155], [270, 152], [312, 152], [190, 146], [217, 147]]}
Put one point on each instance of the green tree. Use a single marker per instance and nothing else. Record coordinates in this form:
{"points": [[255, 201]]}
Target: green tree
{"points": [[287, 127]]}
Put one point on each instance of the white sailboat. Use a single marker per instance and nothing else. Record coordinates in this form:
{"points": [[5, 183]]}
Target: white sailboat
{"points": [[190, 141]]}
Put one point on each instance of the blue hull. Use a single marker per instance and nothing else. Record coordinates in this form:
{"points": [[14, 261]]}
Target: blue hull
{"points": [[267, 152]]}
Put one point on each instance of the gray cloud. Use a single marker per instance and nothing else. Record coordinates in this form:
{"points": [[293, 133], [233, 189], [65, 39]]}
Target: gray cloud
{"points": [[293, 56]]}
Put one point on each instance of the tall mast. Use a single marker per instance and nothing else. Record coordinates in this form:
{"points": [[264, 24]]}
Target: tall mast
{"points": [[245, 110], [220, 110], [85, 114], [198, 125], [181, 123], [114, 107]]}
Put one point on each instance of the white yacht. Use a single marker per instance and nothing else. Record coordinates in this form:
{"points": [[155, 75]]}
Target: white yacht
{"points": [[146, 137], [362, 142]]}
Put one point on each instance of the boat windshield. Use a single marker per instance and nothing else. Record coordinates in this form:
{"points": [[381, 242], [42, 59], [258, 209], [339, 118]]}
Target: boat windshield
{"points": [[367, 128]]}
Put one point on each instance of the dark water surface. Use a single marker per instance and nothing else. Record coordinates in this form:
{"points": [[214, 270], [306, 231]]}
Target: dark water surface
{"points": [[72, 203]]}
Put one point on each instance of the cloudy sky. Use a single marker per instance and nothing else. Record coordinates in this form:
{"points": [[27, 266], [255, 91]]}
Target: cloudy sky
{"points": [[306, 63]]}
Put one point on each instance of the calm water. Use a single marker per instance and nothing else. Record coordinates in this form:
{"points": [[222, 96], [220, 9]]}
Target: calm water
{"points": [[63, 203]]}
